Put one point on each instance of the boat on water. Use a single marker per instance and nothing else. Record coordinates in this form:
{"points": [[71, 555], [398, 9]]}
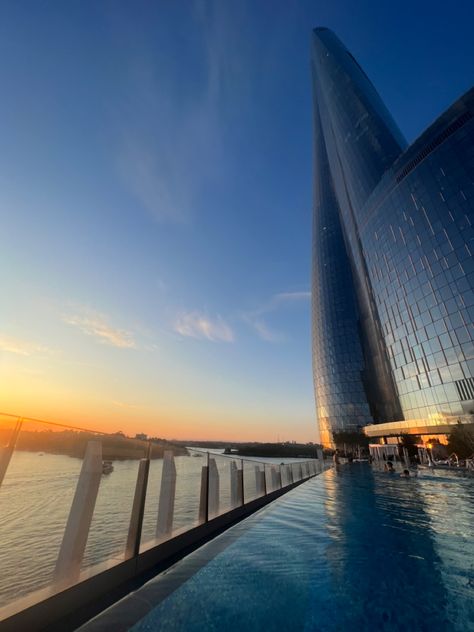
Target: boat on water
{"points": [[107, 467]]}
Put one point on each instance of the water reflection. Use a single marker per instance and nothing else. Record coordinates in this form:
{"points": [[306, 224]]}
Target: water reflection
{"points": [[452, 516], [382, 558]]}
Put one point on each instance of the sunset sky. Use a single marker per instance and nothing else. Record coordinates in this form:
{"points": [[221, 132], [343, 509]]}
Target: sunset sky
{"points": [[155, 202]]}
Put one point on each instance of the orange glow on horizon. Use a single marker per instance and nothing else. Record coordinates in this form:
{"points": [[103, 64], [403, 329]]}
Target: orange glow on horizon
{"points": [[167, 425], [50, 398]]}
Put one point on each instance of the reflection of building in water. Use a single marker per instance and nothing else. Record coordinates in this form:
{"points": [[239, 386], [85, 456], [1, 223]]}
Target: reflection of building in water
{"points": [[393, 272], [383, 558], [450, 516]]}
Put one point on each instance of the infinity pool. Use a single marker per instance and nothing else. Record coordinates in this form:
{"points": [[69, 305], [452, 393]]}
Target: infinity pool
{"points": [[353, 549]]}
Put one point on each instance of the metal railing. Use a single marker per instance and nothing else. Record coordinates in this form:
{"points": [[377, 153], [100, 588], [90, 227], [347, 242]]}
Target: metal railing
{"points": [[74, 517]]}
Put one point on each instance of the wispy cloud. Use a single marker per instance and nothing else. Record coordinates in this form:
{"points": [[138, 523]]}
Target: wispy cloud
{"points": [[229, 59], [120, 404], [97, 325], [257, 318], [172, 140], [170, 148], [197, 325], [23, 347], [256, 322]]}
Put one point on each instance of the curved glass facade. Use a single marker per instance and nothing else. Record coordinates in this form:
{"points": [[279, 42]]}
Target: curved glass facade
{"points": [[405, 217], [418, 237], [338, 363]]}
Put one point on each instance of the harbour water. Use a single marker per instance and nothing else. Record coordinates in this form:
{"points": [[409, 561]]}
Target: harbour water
{"points": [[36, 496]]}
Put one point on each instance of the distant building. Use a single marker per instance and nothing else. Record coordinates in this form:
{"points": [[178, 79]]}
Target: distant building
{"points": [[393, 271], [141, 436]]}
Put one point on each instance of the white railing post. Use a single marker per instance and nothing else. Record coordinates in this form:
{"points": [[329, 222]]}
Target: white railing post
{"points": [[289, 471], [132, 547], [213, 492], [320, 454], [278, 477], [235, 500], [259, 481], [240, 482], [164, 524], [7, 451], [274, 478], [204, 496], [74, 542], [284, 482], [295, 471]]}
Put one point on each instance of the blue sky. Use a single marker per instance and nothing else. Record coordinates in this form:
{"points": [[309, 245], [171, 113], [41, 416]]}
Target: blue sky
{"points": [[155, 198]]}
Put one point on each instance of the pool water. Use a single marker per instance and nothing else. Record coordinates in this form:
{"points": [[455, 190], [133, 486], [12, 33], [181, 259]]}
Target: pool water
{"points": [[352, 549]]}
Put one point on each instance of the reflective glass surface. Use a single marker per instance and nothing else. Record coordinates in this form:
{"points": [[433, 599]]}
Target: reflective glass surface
{"points": [[402, 223], [338, 362], [418, 238]]}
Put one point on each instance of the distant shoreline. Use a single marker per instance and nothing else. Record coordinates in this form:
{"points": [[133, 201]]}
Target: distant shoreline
{"points": [[277, 451], [73, 443], [255, 449]]}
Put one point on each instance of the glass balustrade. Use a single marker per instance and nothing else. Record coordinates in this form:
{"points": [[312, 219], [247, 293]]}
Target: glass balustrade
{"points": [[74, 502]]}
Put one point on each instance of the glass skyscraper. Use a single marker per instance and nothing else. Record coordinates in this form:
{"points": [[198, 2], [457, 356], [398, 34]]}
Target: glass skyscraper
{"points": [[393, 272]]}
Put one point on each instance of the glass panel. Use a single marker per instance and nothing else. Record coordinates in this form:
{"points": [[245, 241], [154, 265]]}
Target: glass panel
{"points": [[188, 490], [286, 475], [113, 509], [268, 477], [295, 468], [150, 516], [36, 495], [253, 480], [185, 481], [219, 484]]}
